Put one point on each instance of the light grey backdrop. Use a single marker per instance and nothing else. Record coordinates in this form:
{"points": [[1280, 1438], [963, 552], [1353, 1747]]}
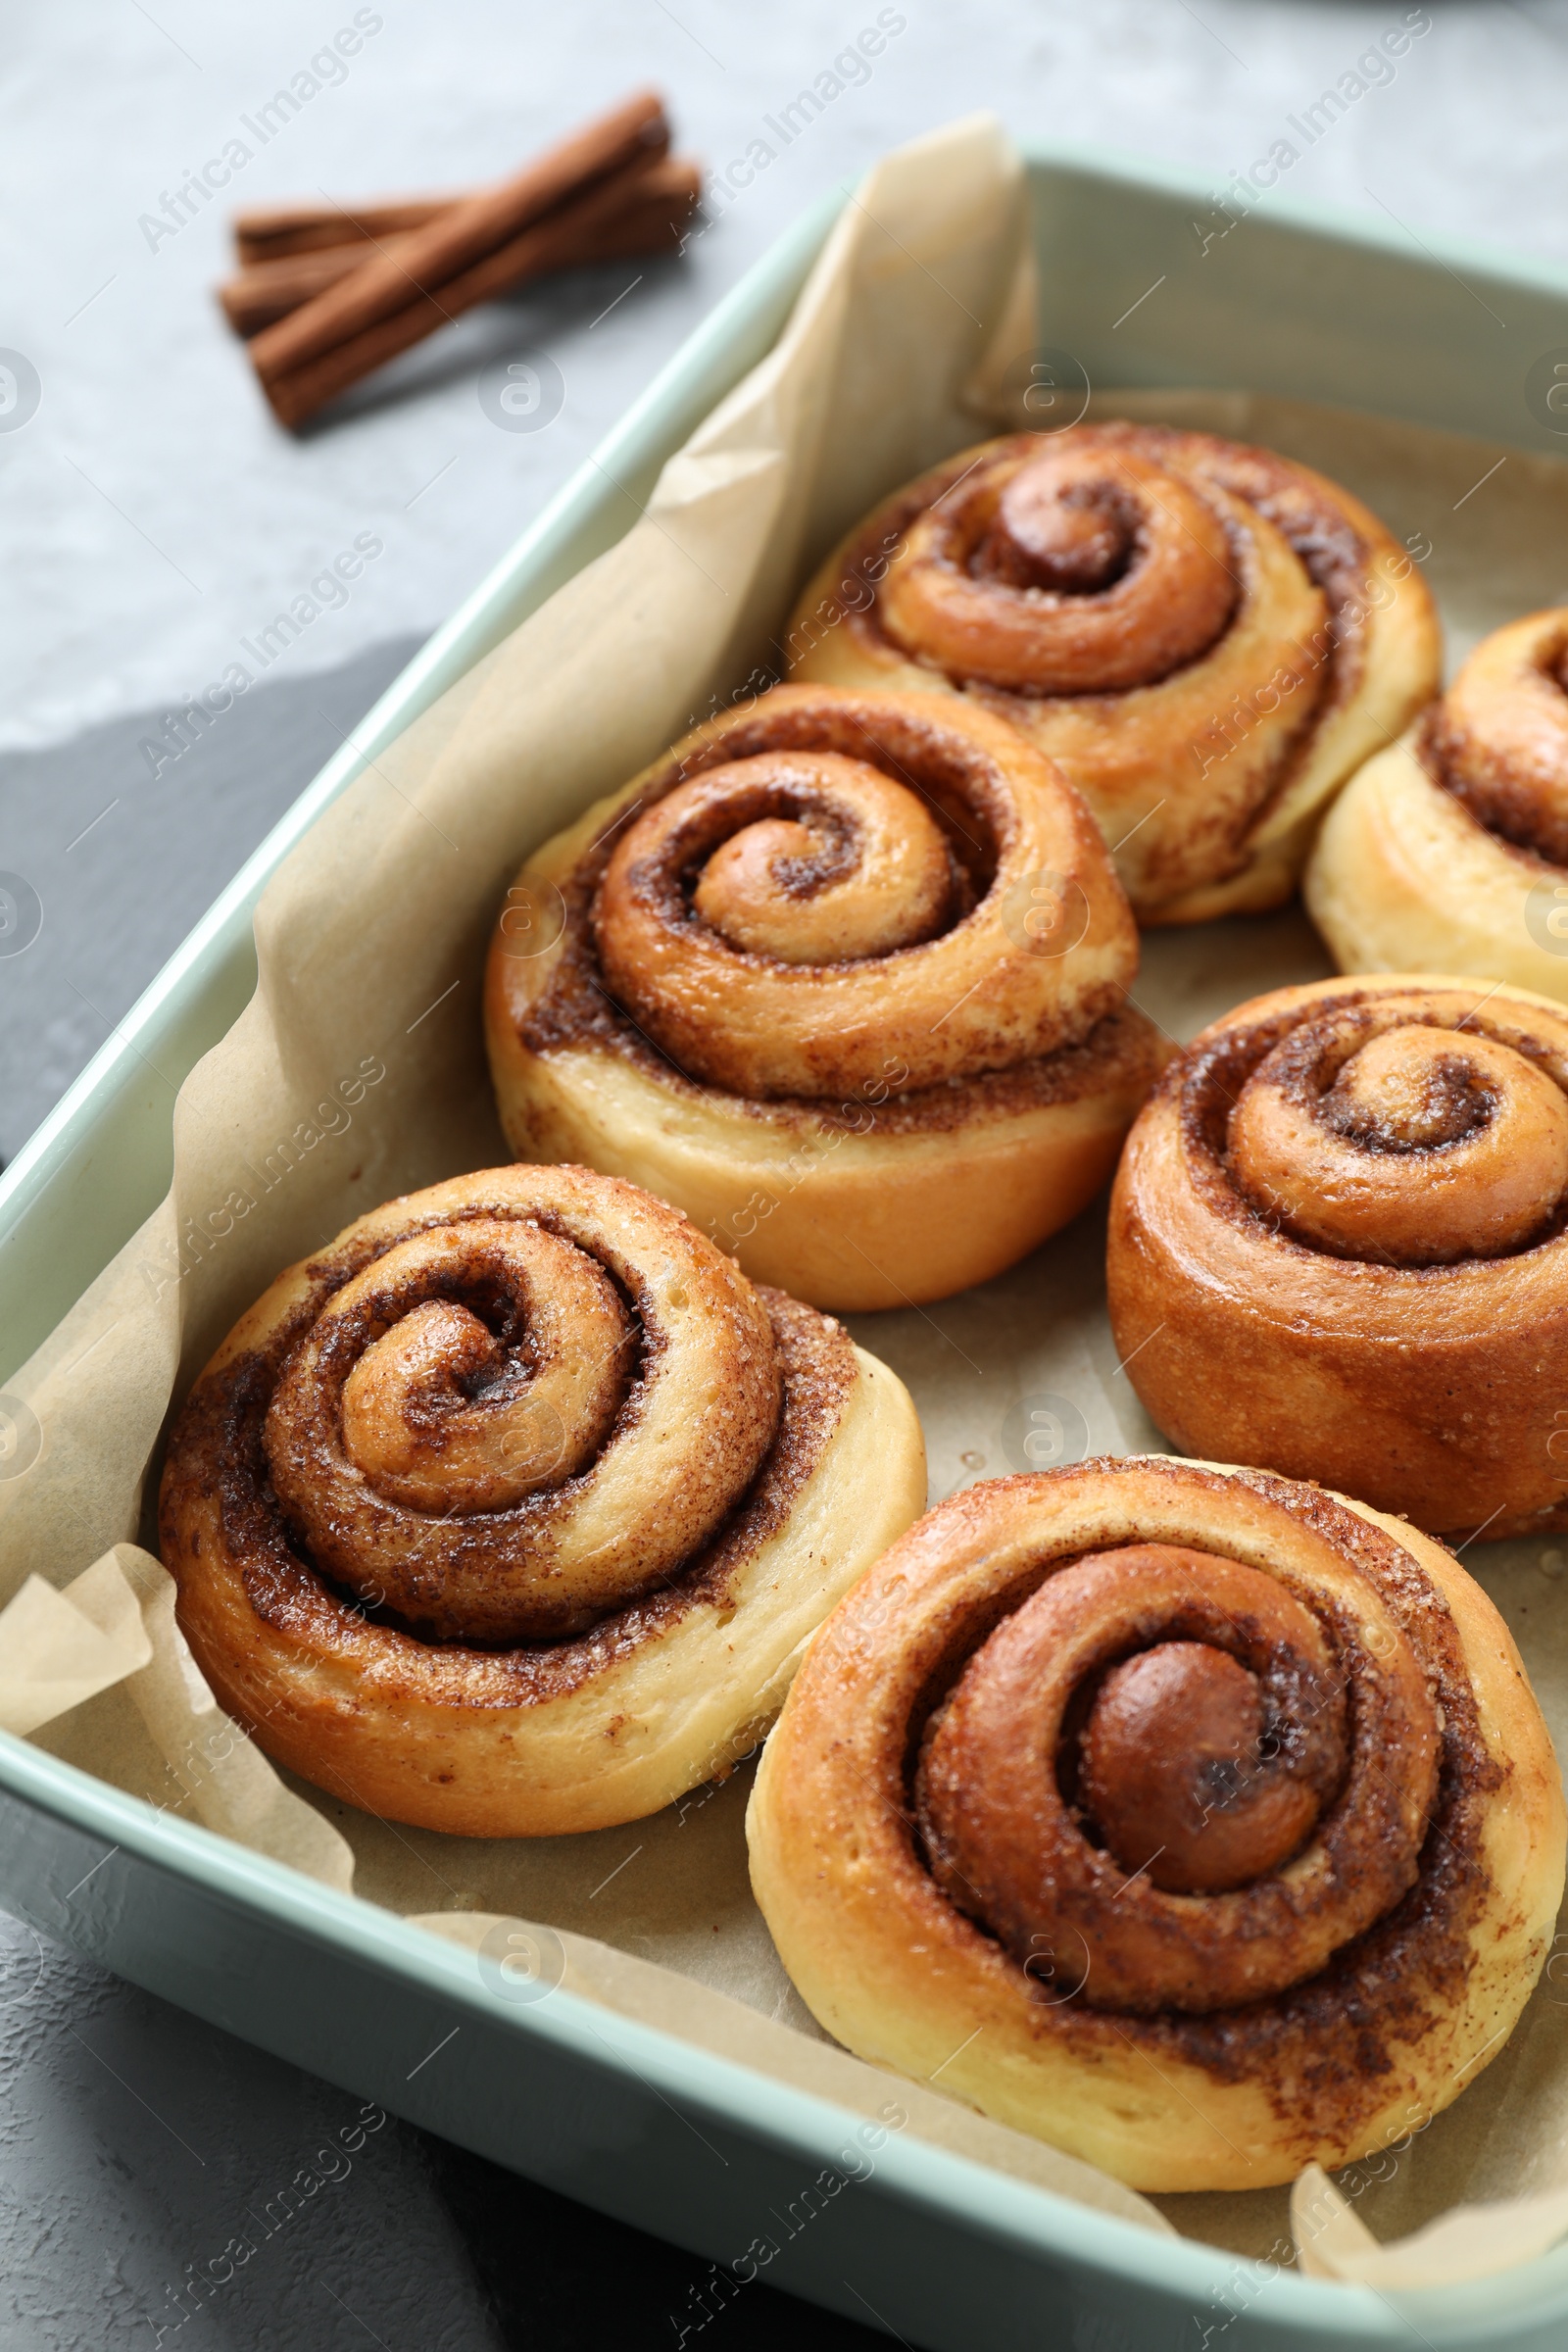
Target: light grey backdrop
{"points": [[154, 520]]}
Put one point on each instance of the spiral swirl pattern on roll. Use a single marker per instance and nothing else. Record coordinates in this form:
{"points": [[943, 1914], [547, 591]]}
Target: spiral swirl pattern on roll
{"points": [[794, 909], [846, 977], [494, 1431], [1448, 851], [487, 1515], [1191, 1819], [1208, 637], [1342, 1230], [1070, 567], [1498, 739], [1212, 1747]]}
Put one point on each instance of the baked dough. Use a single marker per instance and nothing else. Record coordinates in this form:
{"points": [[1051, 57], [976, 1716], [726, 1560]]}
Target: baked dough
{"points": [[1206, 637], [843, 977], [1339, 1247], [1448, 851], [928, 1857], [510, 1511]]}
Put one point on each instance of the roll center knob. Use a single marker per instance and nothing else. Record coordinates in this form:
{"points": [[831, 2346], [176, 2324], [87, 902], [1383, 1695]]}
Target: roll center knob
{"points": [[1411, 1090], [1074, 538], [1175, 1776]]}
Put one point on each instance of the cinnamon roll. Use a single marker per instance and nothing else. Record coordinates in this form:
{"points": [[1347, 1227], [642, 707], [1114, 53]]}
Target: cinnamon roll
{"points": [[1339, 1247], [843, 977], [1448, 851], [510, 1511], [1200, 1823], [1206, 637]]}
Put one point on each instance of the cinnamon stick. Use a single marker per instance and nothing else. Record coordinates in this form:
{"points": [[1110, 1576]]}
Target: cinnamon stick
{"points": [[658, 201], [270, 232], [461, 258], [267, 291]]}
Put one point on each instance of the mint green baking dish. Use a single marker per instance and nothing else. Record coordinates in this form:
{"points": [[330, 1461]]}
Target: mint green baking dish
{"points": [[940, 2251]]}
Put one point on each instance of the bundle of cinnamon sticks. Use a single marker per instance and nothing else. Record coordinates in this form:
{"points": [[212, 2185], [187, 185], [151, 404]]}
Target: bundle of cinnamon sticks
{"points": [[328, 293]]}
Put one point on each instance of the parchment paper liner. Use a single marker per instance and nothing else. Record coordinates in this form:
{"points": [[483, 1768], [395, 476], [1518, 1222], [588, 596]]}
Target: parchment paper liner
{"points": [[358, 1072]]}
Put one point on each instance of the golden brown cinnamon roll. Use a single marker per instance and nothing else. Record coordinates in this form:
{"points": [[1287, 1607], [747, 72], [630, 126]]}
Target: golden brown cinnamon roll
{"points": [[843, 977], [1208, 637], [510, 1511], [1337, 1247], [1448, 851], [1199, 1822]]}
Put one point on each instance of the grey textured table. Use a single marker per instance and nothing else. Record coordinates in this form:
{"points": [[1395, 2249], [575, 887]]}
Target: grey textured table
{"points": [[155, 523]]}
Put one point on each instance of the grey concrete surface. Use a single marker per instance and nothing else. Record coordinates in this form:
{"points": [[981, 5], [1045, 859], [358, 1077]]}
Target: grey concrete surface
{"points": [[141, 2152], [154, 519], [123, 862]]}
